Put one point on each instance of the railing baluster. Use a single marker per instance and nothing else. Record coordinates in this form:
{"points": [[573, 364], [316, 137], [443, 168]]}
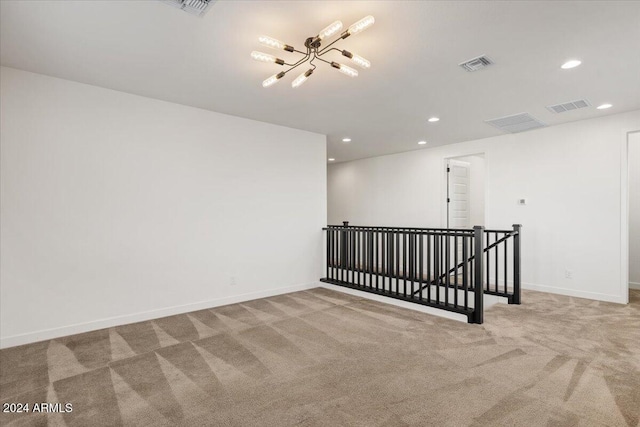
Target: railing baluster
{"points": [[338, 255], [447, 278], [363, 257], [369, 250], [370, 257], [455, 273], [411, 264], [488, 268], [495, 237], [345, 266], [429, 267], [392, 238], [421, 264], [376, 233], [354, 266], [334, 254], [354, 255], [506, 265], [338, 247], [465, 278], [389, 273], [397, 260], [357, 256], [478, 312], [330, 260], [436, 254], [387, 261], [328, 255], [347, 255]]}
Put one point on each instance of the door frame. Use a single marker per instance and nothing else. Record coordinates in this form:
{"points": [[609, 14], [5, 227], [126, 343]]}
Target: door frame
{"points": [[449, 195], [444, 187], [624, 215]]}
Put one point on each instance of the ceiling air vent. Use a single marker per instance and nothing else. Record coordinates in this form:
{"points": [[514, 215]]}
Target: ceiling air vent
{"points": [[568, 106], [194, 7], [476, 64], [516, 123]]}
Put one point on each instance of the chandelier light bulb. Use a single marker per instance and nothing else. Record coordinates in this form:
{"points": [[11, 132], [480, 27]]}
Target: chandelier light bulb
{"points": [[345, 69], [274, 43], [273, 79], [265, 57], [359, 60], [332, 29], [361, 25], [301, 78]]}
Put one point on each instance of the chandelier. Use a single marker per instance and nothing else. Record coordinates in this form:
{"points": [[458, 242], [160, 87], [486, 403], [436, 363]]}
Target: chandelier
{"points": [[315, 52]]}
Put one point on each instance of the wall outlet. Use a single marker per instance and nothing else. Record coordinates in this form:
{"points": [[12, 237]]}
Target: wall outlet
{"points": [[232, 281], [522, 201], [568, 274]]}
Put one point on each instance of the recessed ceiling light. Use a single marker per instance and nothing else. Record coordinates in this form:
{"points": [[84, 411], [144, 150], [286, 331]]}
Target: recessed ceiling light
{"points": [[434, 119], [604, 106], [571, 64], [346, 139], [422, 143], [331, 159]]}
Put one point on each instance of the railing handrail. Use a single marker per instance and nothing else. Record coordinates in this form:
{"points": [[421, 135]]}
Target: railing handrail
{"points": [[461, 230], [404, 232], [469, 230]]}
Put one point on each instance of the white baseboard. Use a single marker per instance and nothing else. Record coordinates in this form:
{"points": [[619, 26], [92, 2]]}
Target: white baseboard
{"points": [[489, 300], [634, 285], [574, 293], [47, 334]]}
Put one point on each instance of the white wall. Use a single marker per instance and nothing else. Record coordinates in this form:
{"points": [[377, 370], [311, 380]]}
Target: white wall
{"points": [[117, 208], [569, 173], [634, 209]]}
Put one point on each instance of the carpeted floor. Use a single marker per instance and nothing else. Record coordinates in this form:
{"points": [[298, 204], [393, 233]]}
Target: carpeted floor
{"points": [[321, 357]]}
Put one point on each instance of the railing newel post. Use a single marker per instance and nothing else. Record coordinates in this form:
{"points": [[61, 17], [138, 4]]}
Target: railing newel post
{"points": [[517, 228]]}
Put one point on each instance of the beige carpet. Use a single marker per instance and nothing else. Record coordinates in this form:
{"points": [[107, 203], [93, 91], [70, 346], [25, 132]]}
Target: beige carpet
{"points": [[325, 358]]}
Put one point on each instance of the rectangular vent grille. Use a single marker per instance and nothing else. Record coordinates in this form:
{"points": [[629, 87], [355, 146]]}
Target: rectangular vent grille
{"points": [[516, 123], [476, 64], [194, 7], [568, 106]]}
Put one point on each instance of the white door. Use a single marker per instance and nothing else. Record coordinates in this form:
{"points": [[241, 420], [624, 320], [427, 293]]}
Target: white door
{"points": [[458, 194]]}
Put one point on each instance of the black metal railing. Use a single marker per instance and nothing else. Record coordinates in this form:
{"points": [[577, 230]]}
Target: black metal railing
{"points": [[436, 267]]}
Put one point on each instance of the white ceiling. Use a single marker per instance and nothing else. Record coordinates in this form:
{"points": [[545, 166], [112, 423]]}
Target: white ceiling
{"points": [[151, 49]]}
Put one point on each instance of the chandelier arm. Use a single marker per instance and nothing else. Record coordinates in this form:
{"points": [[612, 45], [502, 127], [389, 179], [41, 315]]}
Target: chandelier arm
{"points": [[324, 50], [333, 48], [304, 59], [306, 56], [297, 64], [311, 62], [317, 57]]}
